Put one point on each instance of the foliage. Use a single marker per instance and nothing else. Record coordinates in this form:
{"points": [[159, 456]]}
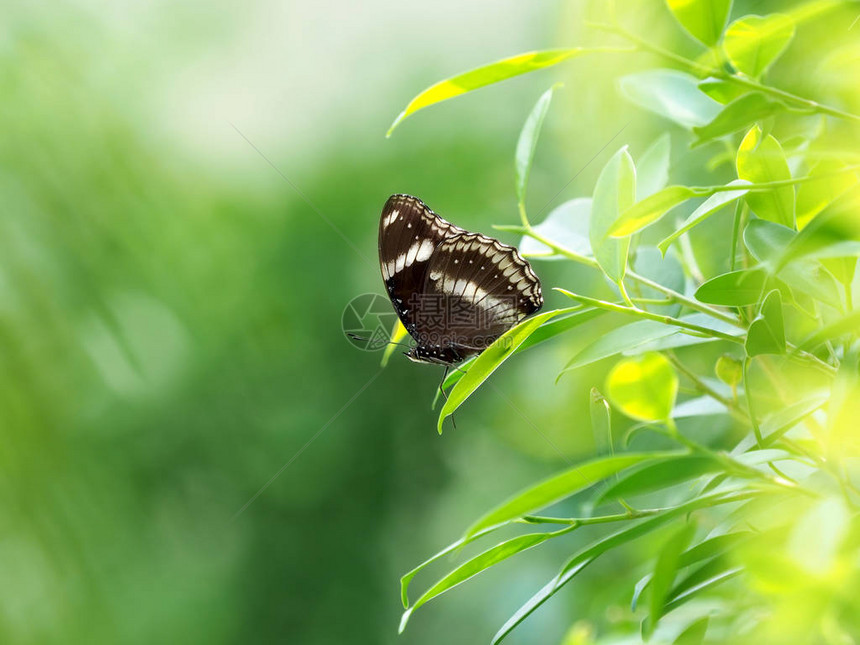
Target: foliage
{"points": [[756, 532]]}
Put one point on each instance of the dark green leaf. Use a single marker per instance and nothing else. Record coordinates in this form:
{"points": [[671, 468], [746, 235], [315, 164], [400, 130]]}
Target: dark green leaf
{"points": [[659, 475], [665, 570]]}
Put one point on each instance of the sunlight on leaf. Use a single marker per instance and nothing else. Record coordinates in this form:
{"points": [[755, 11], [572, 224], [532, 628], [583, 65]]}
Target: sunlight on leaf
{"points": [[814, 196], [753, 43], [665, 570], [397, 335], [486, 75], [567, 226], [644, 387], [707, 208], [721, 91], [761, 160], [703, 19], [735, 288], [737, 115], [649, 210], [652, 169]]}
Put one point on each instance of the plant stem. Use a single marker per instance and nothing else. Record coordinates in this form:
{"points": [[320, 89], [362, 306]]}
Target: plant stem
{"points": [[704, 388]]}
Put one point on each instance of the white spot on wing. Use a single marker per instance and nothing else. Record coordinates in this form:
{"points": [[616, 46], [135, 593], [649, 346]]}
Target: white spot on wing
{"points": [[388, 221]]}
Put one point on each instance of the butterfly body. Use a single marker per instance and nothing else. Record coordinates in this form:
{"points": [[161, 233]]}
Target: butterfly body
{"points": [[454, 291]]}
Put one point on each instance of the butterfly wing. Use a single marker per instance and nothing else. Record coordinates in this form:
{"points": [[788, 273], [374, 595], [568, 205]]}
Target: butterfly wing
{"points": [[409, 233], [485, 288]]}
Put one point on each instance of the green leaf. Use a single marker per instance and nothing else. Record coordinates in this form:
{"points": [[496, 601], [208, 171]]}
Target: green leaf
{"points": [[753, 43], [767, 241], [567, 226], [601, 422], [737, 115], [707, 576], [643, 387], [835, 232], [491, 358], [766, 334], [665, 570], [761, 160], [476, 565], [527, 143], [848, 324], [671, 94], [561, 486], [659, 475], [587, 555], [559, 325], [621, 339], [703, 19], [694, 633], [734, 289], [407, 578], [614, 193], [652, 170], [729, 370], [486, 75], [813, 196], [707, 208], [397, 335], [721, 91], [649, 210]]}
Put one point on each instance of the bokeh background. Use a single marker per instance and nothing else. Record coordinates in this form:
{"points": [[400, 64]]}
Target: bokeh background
{"points": [[191, 194]]}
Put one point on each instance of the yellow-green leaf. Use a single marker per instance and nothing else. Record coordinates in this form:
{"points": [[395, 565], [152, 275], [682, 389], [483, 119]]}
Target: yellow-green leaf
{"points": [[761, 160], [753, 43], [813, 196], [486, 75], [397, 334], [647, 211], [703, 19], [643, 387]]}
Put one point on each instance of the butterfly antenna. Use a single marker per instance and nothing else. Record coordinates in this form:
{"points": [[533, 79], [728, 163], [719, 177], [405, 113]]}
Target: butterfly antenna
{"points": [[444, 394], [363, 339]]}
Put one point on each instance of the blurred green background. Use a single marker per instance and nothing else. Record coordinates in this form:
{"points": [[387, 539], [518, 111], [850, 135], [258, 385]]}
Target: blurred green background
{"points": [[170, 313]]}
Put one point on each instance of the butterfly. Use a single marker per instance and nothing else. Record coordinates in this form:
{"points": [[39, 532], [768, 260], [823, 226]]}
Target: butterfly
{"points": [[454, 291]]}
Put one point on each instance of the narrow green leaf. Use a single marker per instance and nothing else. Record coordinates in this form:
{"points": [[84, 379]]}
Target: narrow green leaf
{"points": [[486, 75], [766, 334], [476, 565], [665, 570], [707, 208], [761, 160], [753, 43], [527, 143], [734, 289], [671, 94], [848, 324], [397, 335], [614, 193], [491, 358], [652, 169], [649, 210], [709, 575], [587, 555], [737, 115], [721, 91], [659, 475], [407, 577], [813, 196], [703, 19], [601, 422], [643, 387], [561, 486]]}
